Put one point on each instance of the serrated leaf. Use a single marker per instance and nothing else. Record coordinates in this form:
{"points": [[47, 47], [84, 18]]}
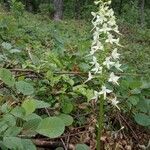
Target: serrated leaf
{"points": [[29, 105], [142, 119], [82, 147], [7, 77], [24, 88], [68, 120], [51, 127]]}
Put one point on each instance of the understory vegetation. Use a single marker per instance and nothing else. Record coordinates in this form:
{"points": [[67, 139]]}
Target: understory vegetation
{"points": [[43, 97]]}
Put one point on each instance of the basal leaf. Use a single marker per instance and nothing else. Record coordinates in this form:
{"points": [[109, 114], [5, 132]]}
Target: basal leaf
{"points": [[82, 147], [68, 120], [7, 77], [51, 127], [142, 119], [24, 88], [29, 105]]}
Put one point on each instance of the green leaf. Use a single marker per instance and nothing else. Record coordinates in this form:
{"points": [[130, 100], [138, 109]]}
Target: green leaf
{"points": [[51, 127], [68, 120], [29, 105], [31, 124], [28, 144], [9, 119], [13, 143], [67, 107], [3, 126], [41, 104], [142, 119], [82, 147], [6, 45], [24, 88], [7, 77], [12, 131], [18, 112], [134, 100], [32, 116], [35, 59]]}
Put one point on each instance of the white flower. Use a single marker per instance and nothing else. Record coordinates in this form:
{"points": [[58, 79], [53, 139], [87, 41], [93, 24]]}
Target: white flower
{"points": [[96, 46], [90, 77], [94, 61], [112, 21], [104, 91], [113, 78], [101, 18], [111, 39], [97, 68], [105, 28], [96, 95], [114, 54], [114, 102], [117, 65], [108, 63], [97, 2]]}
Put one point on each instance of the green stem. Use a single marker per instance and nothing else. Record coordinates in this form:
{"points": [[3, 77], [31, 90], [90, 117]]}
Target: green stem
{"points": [[100, 123]]}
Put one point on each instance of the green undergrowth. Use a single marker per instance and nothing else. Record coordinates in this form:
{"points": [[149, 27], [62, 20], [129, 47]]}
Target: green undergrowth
{"points": [[43, 68]]}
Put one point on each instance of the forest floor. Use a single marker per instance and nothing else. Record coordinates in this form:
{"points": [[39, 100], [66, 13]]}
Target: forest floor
{"points": [[121, 131]]}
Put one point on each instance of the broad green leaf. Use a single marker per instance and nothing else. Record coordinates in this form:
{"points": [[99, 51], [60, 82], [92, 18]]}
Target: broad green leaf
{"points": [[82, 147], [13, 143], [31, 124], [9, 119], [32, 116], [29, 105], [18, 112], [2, 146], [5, 108], [3, 126], [7, 77], [67, 107], [51, 127], [28, 144], [12, 131], [41, 104], [142, 119], [68, 120], [24, 88]]}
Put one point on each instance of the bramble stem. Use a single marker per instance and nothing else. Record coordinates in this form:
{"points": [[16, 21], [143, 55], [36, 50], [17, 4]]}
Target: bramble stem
{"points": [[100, 123]]}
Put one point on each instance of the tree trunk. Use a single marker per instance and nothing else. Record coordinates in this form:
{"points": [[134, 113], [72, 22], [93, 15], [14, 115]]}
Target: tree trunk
{"points": [[142, 17], [77, 9], [58, 9]]}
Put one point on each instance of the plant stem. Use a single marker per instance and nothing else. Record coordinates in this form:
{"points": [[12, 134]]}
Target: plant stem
{"points": [[100, 123]]}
